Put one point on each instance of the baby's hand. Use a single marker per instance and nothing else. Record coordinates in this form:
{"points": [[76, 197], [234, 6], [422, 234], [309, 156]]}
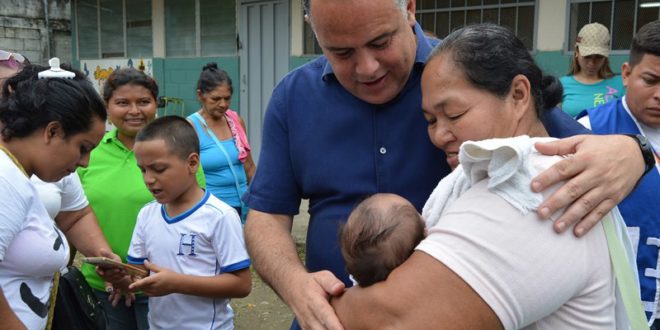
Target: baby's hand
{"points": [[161, 281]]}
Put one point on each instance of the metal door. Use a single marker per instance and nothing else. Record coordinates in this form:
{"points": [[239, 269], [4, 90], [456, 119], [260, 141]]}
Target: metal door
{"points": [[264, 59]]}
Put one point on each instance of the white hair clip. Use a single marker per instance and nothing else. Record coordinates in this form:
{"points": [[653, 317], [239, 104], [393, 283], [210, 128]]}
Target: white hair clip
{"points": [[55, 71]]}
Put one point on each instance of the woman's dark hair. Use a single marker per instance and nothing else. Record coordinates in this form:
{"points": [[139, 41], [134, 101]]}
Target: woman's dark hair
{"points": [[128, 76], [29, 103], [212, 77], [491, 56]]}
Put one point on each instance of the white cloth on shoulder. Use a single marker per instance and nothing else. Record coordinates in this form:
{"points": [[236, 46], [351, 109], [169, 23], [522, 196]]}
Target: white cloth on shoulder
{"points": [[447, 191], [506, 163], [503, 160]]}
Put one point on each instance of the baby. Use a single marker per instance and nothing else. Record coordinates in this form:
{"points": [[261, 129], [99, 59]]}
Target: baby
{"points": [[380, 234]]}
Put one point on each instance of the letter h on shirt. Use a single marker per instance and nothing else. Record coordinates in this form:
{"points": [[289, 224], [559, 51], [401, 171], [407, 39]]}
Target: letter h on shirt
{"points": [[188, 244]]}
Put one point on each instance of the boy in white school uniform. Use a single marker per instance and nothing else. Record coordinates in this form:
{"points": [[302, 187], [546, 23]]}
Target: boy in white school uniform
{"points": [[190, 241]]}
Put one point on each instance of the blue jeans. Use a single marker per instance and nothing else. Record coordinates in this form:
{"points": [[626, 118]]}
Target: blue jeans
{"points": [[122, 317]]}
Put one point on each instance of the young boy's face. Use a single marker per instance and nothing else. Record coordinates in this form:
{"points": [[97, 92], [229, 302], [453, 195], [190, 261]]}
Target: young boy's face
{"points": [[165, 174]]}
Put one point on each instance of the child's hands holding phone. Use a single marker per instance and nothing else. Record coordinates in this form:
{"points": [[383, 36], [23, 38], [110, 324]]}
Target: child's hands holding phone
{"points": [[161, 281]]}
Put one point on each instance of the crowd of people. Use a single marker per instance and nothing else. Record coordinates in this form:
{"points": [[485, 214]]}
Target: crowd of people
{"points": [[442, 175]]}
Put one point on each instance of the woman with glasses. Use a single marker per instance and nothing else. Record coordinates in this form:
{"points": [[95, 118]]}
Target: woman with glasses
{"points": [[10, 63]]}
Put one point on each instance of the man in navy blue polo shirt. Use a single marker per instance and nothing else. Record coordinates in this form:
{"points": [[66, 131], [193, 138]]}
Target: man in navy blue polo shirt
{"points": [[349, 124]]}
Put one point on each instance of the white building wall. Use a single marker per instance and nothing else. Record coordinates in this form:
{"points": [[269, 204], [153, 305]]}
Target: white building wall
{"points": [[551, 25], [158, 27]]}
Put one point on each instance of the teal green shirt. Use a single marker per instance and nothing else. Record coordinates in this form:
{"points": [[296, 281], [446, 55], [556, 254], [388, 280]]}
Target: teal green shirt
{"points": [[116, 191], [579, 96]]}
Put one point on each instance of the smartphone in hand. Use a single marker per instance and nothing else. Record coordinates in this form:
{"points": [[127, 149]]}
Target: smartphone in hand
{"points": [[104, 262]]}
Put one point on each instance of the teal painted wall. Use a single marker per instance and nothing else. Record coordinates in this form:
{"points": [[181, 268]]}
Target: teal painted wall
{"points": [[177, 78], [296, 61], [555, 63]]}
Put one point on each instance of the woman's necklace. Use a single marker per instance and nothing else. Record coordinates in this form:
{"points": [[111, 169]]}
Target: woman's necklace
{"points": [[13, 159]]}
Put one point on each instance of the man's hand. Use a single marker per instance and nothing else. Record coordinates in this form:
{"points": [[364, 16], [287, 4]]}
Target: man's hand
{"points": [[110, 274], [309, 298], [600, 171], [159, 283], [273, 252]]}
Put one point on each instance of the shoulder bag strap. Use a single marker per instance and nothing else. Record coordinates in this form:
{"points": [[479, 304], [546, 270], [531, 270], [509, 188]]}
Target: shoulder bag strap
{"points": [[224, 152], [627, 285]]}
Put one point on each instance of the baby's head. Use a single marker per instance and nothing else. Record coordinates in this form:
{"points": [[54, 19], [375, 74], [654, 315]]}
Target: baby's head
{"points": [[380, 234]]}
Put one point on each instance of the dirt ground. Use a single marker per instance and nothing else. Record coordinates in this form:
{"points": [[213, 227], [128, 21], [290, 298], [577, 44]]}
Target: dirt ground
{"points": [[263, 309]]}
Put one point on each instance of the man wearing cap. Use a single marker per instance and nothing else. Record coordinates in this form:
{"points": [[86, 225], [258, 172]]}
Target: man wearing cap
{"points": [[638, 113], [590, 81]]}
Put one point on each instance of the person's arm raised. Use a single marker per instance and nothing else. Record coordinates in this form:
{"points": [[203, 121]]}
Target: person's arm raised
{"points": [[601, 170], [274, 256]]}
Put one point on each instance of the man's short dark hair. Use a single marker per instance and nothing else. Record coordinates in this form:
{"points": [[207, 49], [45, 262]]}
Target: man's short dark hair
{"points": [[646, 41]]}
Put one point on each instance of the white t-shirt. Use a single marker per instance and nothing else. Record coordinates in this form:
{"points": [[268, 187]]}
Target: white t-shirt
{"points": [[206, 240], [64, 195], [527, 274], [31, 248]]}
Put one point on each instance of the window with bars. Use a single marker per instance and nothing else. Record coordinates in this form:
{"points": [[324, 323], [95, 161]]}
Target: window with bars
{"points": [[441, 17], [200, 28], [111, 28], [622, 17], [310, 45]]}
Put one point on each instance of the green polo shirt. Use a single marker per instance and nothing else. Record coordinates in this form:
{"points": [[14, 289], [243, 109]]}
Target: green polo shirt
{"points": [[116, 191]]}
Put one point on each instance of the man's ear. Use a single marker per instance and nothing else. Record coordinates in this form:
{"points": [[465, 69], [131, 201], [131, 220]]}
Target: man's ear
{"points": [[52, 130], [410, 10], [626, 70]]}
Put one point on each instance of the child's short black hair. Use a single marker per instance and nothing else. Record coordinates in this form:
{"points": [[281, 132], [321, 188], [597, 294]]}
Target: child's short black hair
{"points": [[177, 132]]}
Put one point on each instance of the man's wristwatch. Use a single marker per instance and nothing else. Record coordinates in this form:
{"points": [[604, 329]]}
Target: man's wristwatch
{"points": [[647, 151]]}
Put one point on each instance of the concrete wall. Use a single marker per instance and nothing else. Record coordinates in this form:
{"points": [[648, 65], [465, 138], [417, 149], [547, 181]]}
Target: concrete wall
{"points": [[23, 29]]}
